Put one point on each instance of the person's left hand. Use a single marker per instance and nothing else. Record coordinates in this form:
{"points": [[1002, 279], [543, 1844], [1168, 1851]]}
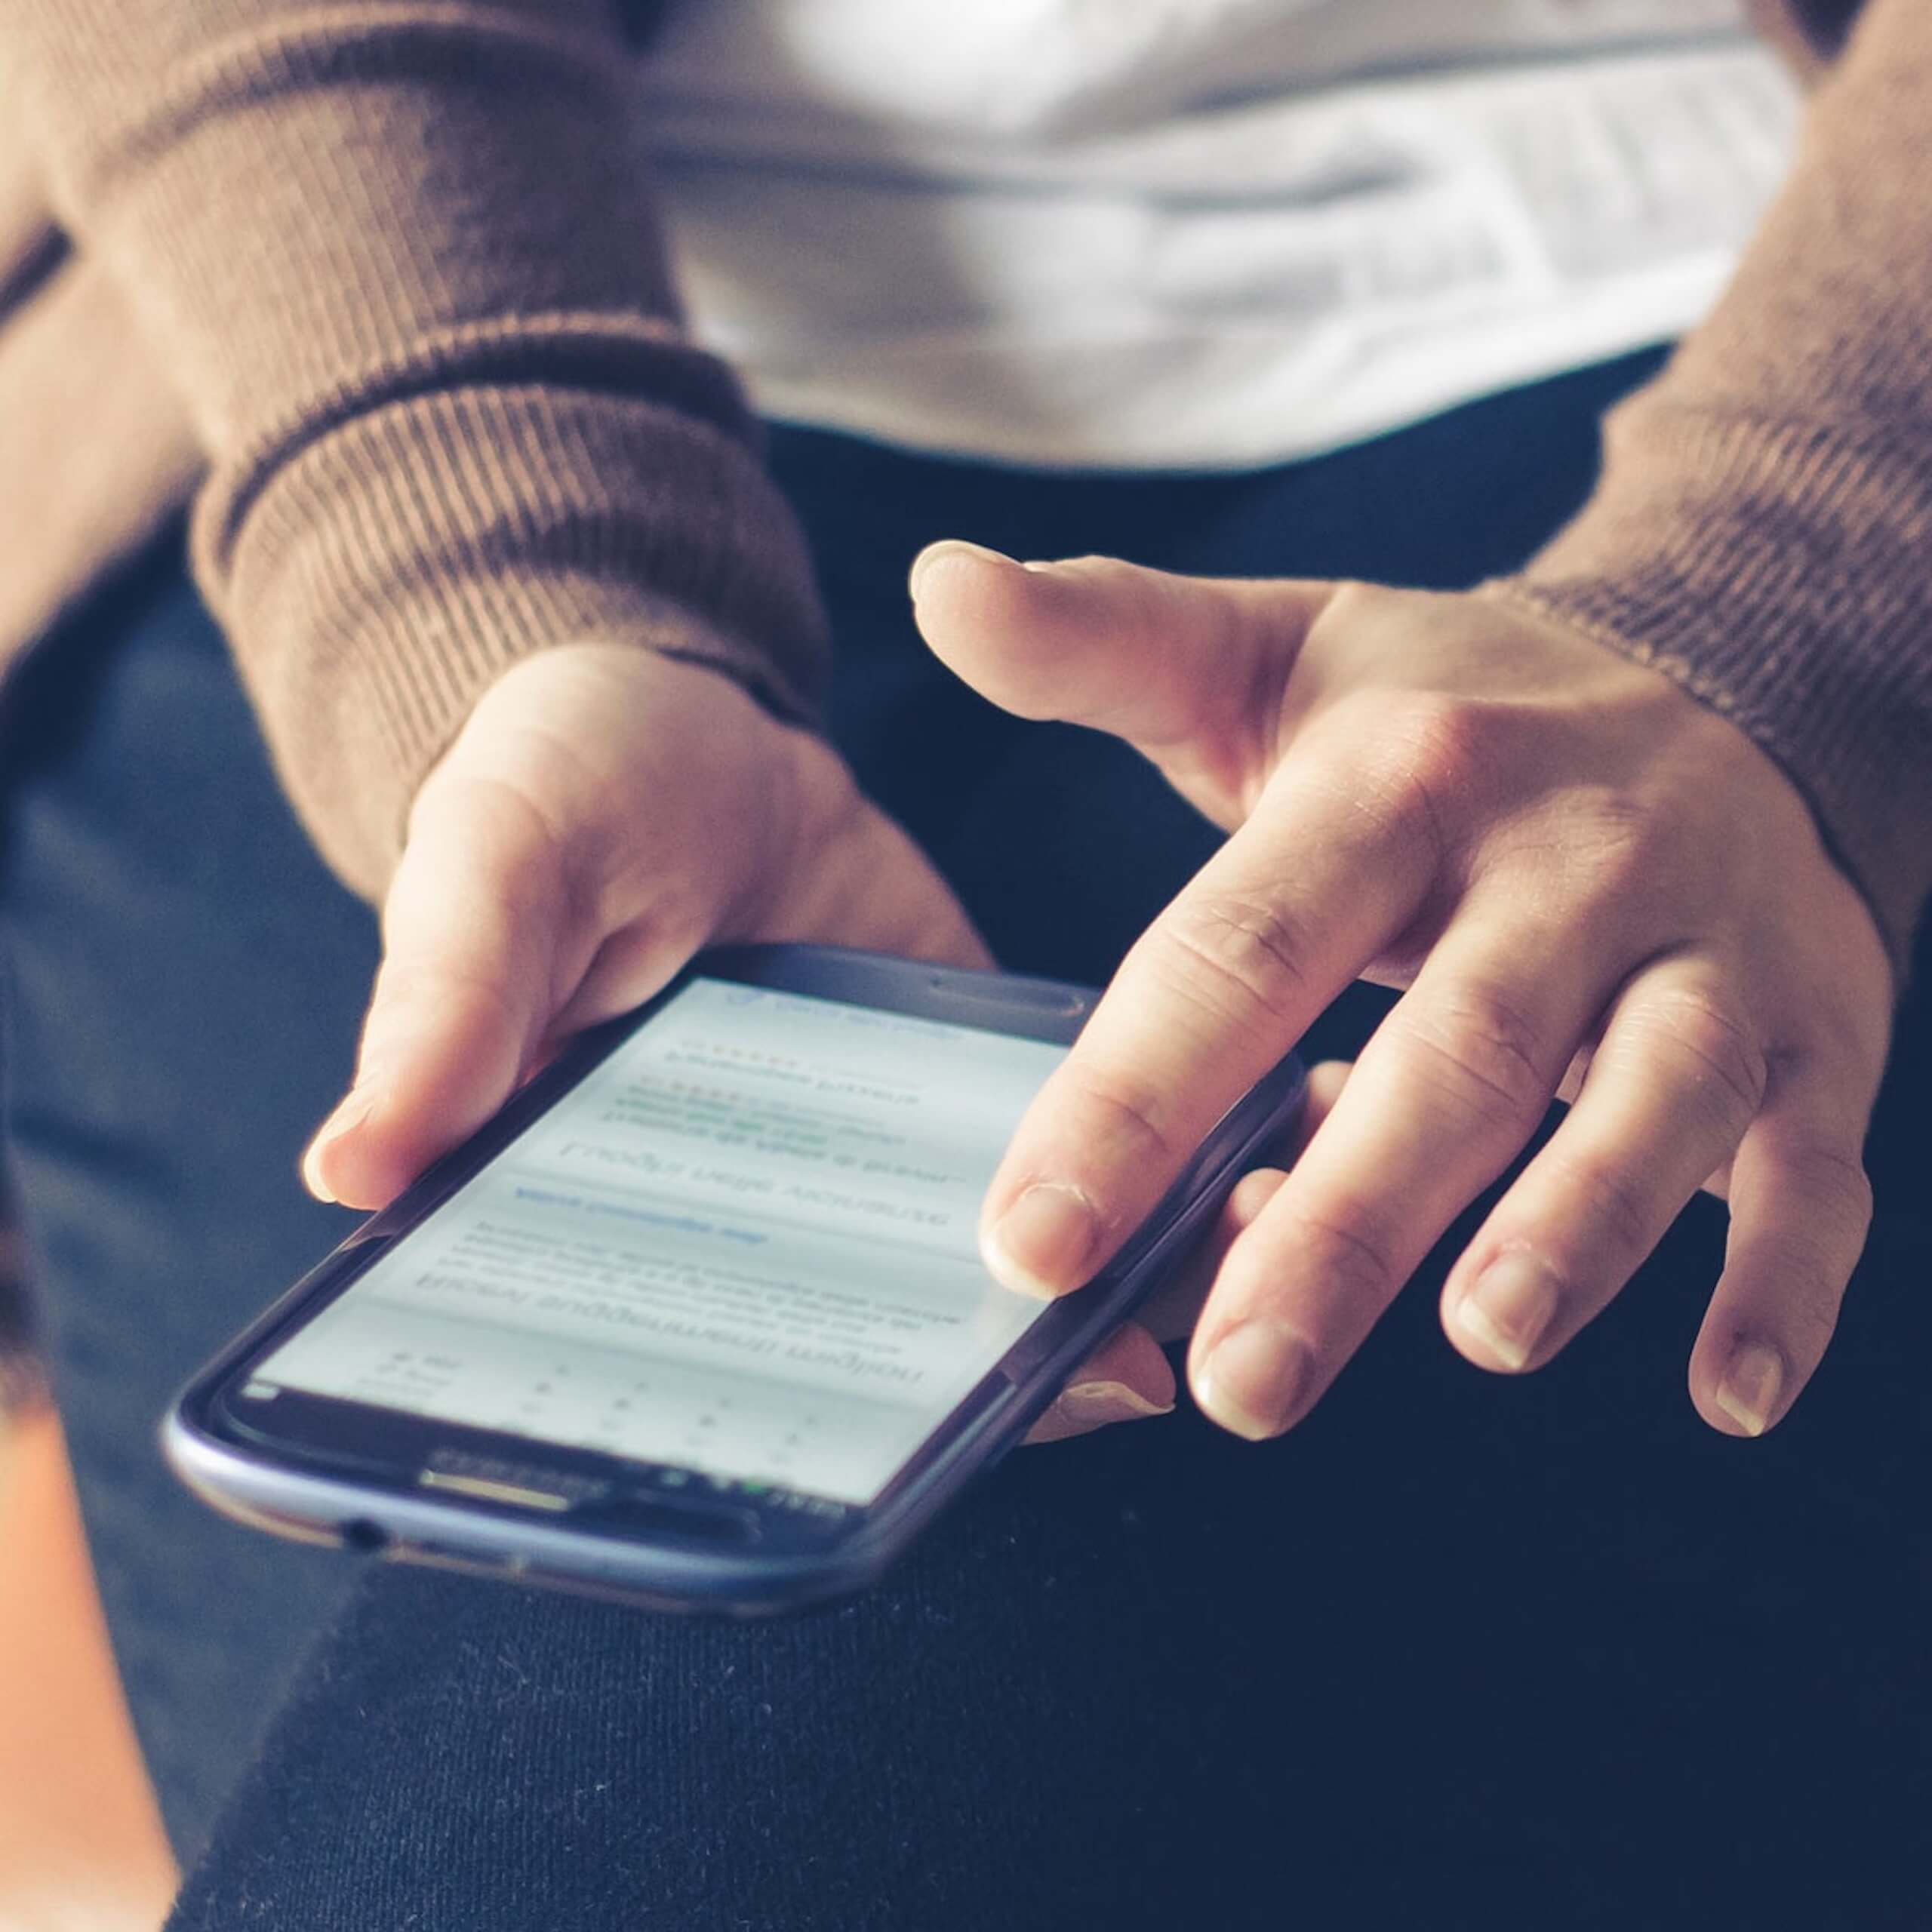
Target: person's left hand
{"points": [[605, 810], [1590, 885]]}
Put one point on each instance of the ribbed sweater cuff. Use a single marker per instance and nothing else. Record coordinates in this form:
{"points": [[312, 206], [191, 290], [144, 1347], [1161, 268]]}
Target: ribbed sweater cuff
{"points": [[1778, 572], [398, 565]]}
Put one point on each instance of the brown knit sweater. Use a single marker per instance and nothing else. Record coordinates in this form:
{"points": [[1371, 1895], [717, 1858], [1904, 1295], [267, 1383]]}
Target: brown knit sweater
{"points": [[391, 256]]}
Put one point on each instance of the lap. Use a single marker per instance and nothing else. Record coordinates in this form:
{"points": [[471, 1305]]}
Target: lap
{"points": [[1444, 1658]]}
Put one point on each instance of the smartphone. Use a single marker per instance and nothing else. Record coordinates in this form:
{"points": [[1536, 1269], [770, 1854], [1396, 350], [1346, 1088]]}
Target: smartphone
{"points": [[698, 1320]]}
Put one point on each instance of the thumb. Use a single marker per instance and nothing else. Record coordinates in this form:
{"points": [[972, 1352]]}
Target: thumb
{"points": [[1161, 661], [476, 940]]}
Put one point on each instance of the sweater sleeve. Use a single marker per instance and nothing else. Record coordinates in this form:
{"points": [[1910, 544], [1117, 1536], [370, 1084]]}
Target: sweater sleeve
{"points": [[397, 258], [1762, 529]]}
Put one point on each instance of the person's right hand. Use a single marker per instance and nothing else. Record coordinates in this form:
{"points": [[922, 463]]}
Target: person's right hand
{"points": [[1588, 881], [605, 812]]}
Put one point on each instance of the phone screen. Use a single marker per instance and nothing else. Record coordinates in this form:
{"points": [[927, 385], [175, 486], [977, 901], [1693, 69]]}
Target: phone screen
{"points": [[744, 1246]]}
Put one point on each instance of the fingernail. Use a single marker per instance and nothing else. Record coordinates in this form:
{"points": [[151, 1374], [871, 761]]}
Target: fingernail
{"points": [[1094, 1404], [1749, 1393], [1253, 1379], [950, 546], [355, 1107], [1040, 1245], [1508, 1306]]}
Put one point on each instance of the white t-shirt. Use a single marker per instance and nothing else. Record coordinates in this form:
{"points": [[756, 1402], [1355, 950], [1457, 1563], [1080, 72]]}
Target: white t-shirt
{"points": [[1197, 233]]}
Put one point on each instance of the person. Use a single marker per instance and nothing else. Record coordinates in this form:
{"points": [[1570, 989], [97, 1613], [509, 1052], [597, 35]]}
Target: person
{"points": [[1648, 812]]}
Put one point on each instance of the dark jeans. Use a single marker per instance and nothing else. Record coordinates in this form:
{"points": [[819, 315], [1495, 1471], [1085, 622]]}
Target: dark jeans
{"points": [[1460, 1652]]}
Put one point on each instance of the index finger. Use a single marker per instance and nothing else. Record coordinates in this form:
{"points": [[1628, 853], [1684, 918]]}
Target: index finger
{"points": [[1326, 868]]}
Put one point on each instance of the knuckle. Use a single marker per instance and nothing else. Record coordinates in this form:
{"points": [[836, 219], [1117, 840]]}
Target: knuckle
{"points": [[1445, 736], [497, 820], [1419, 768], [1444, 741], [1124, 1119], [1728, 1066], [1481, 1051], [507, 852], [1344, 1243], [1832, 1182], [409, 992], [1248, 959], [1606, 1204], [1153, 599]]}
